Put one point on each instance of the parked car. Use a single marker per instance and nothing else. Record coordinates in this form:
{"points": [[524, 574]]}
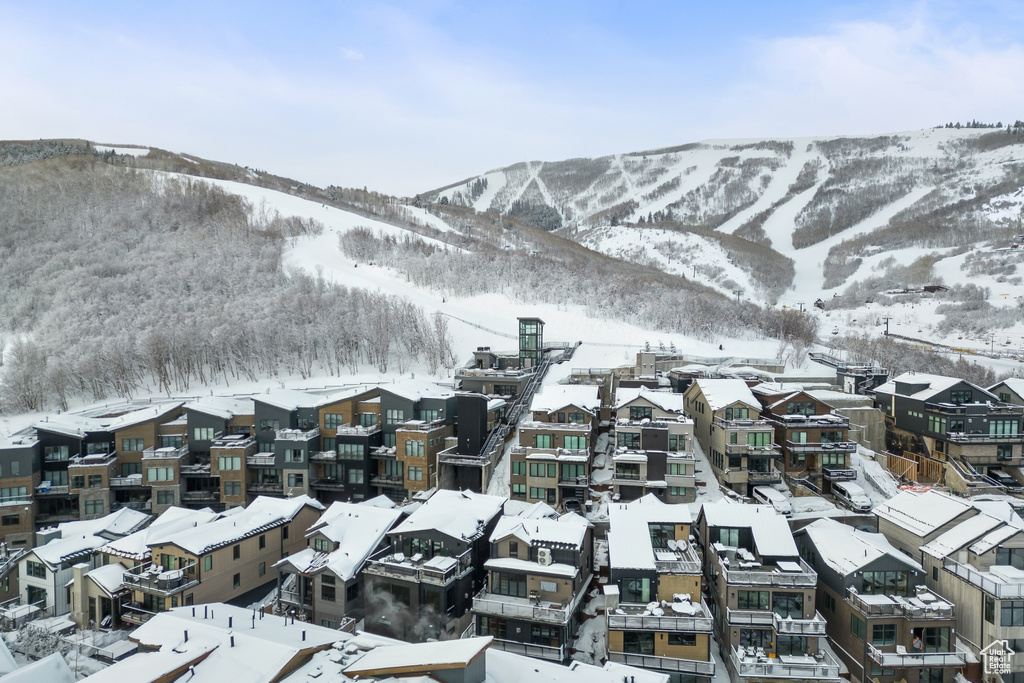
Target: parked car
{"points": [[852, 496], [1005, 480], [766, 495]]}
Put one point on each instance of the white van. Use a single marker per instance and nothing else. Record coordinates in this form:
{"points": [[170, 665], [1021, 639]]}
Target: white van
{"points": [[769, 496], [852, 496]]}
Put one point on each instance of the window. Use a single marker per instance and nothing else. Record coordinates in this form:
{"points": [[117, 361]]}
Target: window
{"points": [[355, 476], [884, 583], [640, 412], [636, 590], [15, 468], [327, 587], [350, 451], [171, 441], [677, 468], [857, 627], [788, 605], [513, 549], [263, 568], [367, 419], [570, 471], [677, 442], [263, 541], [160, 473], [750, 637], [797, 459], [415, 473], [519, 467], [231, 462], [55, 453], [236, 551], [284, 533], [35, 569], [990, 610], [543, 441], [393, 416], [677, 491], [685, 639], [295, 478], [800, 408], [838, 459], [661, 534], [236, 581], [132, 445], [538, 493], [13, 493], [232, 488], [929, 676], [729, 537], [936, 639], [752, 600], [95, 481], [509, 584], [1002, 427], [413, 449], [165, 497], [759, 439], [638, 642], [883, 634], [575, 418], [94, 507], [10, 520], [1011, 613], [130, 468], [1010, 556], [293, 455], [736, 413], [208, 563], [78, 481], [202, 433], [37, 596], [430, 415], [268, 425], [628, 439], [519, 490], [578, 443], [958, 396], [937, 424], [1004, 451], [829, 602], [333, 420]]}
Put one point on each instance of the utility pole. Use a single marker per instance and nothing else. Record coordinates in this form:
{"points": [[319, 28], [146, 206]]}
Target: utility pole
{"points": [[886, 319]]}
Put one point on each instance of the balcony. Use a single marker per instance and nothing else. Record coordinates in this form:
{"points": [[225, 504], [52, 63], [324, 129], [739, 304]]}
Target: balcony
{"points": [[827, 421], [195, 470], [772, 476], [992, 460], [559, 426], [327, 484], [294, 598], [324, 456], [47, 489], [693, 667], [58, 457], [200, 496], [814, 626], [168, 453], [392, 480], [977, 409], [266, 488], [924, 605], [581, 480], [547, 652], [805, 577], [971, 439], [531, 609], [635, 617], [297, 434], [132, 481], [383, 453], [261, 460], [833, 473], [233, 441], [150, 579], [357, 430], [93, 460], [141, 505], [822, 447], [899, 658], [770, 451], [756, 664], [438, 570], [135, 615], [745, 425], [1008, 586]]}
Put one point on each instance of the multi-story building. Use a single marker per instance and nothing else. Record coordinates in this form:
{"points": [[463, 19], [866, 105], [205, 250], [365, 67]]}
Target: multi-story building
{"points": [[655, 613], [973, 554], [654, 446], [553, 459], [324, 582], [813, 438], [227, 557], [20, 474], [539, 570], [952, 429], [531, 342], [494, 374], [739, 444], [421, 585], [763, 596], [1010, 390], [884, 621]]}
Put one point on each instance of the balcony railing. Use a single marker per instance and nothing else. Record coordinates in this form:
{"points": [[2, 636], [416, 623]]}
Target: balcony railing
{"points": [[142, 505], [357, 430], [132, 481], [771, 450], [135, 614], [261, 460], [745, 425], [992, 460], [772, 476], [758, 665], [904, 660], [684, 666], [629, 476], [328, 484], [772, 576], [149, 578], [165, 453], [992, 586], [899, 606], [960, 437], [383, 453], [632, 617], [822, 447], [271, 488], [294, 598], [48, 489], [814, 626], [581, 480], [392, 480], [833, 473], [297, 434], [548, 652], [977, 409], [560, 426], [200, 496], [233, 441], [394, 565]]}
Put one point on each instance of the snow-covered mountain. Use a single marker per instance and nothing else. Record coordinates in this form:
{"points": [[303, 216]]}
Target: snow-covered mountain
{"points": [[789, 221]]}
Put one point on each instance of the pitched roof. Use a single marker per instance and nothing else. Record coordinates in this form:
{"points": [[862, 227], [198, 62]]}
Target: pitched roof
{"points": [[721, 393], [118, 523], [772, 537], [79, 425], [666, 400], [224, 407], [420, 657], [922, 513], [846, 549], [61, 550], [568, 530], [629, 539], [135, 546], [553, 397], [931, 385], [459, 514], [109, 577]]}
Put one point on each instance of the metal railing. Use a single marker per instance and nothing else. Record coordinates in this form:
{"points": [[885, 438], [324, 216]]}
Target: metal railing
{"points": [[903, 660], [395, 565], [147, 577], [839, 473], [130, 481], [634, 618], [51, 490], [901, 607], [1000, 589], [822, 447], [263, 487], [199, 496], [135, 614], [822, 666], [261, 460], [387, 480], [559, 426], [772, 576], [294, 598], [745, 425], [529, 608], [165, 453], [143, 505], [815, 626], [548, 652], [297, 434], [357, 430], [327, 483], [233, 441], [684, 666], [746, 449]]}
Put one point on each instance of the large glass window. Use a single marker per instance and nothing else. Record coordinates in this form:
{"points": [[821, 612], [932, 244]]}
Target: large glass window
{"points": [[1011, 556], [576, 442], [1002, 427], [638, 642], [884, 583], [333, 420], [504, 583], [788, 605], [636, 590], [640, 412], [230, 462], [936, 639], [518, 467], [393, 416], [540, 469], [790, 645], [883, 634], [752, 600], [1011, 613], [759, 439], [132, 445], [570, 471], [661, 534], [628, 439], [413, 449], [161, 473], [543, 441], [202, 433], [857, 627], [800, 408], [755, 637]]}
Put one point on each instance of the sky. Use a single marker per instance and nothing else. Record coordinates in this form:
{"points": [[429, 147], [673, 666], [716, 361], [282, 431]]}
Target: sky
{"points": [[408, 97]]}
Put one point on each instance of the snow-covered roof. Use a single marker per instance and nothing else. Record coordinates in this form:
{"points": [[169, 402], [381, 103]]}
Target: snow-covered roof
{"points": [[1014, 384], [109, 577], [933, 384], [557, 396], [224, 407], [772, 537], [78, 425], [666, 400], [61, 550], [51, 669], [414, 390], [459, 514], [7, 663], [358, 528], [260, 515], [517, 565], [629, 539], [923, 513], [721, 393], [171, 521], [846, 549], [419, 657], [286, 399], [995, 523], [569, 530], [507, 667], [118, 523]]}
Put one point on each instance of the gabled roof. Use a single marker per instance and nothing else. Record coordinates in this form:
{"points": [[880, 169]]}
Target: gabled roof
{"points": [[415, 390], [171, 521], [569, 530], [931, 385], [923, 513], [419, 657], [994, 524], [51, 669], [286, 399], [557, 396], [629, 539], [1014, 384], [224, 407], [109, 577], [61, 550], [772, 537], [459, 514], [666, 400], [79, 425], [722, 393], [847, 550]]}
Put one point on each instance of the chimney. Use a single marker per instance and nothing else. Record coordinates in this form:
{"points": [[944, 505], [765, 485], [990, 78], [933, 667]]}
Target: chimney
{"points": [[206, 612], [186, 636], [303, 636], [232, 641], [230, 619]]}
